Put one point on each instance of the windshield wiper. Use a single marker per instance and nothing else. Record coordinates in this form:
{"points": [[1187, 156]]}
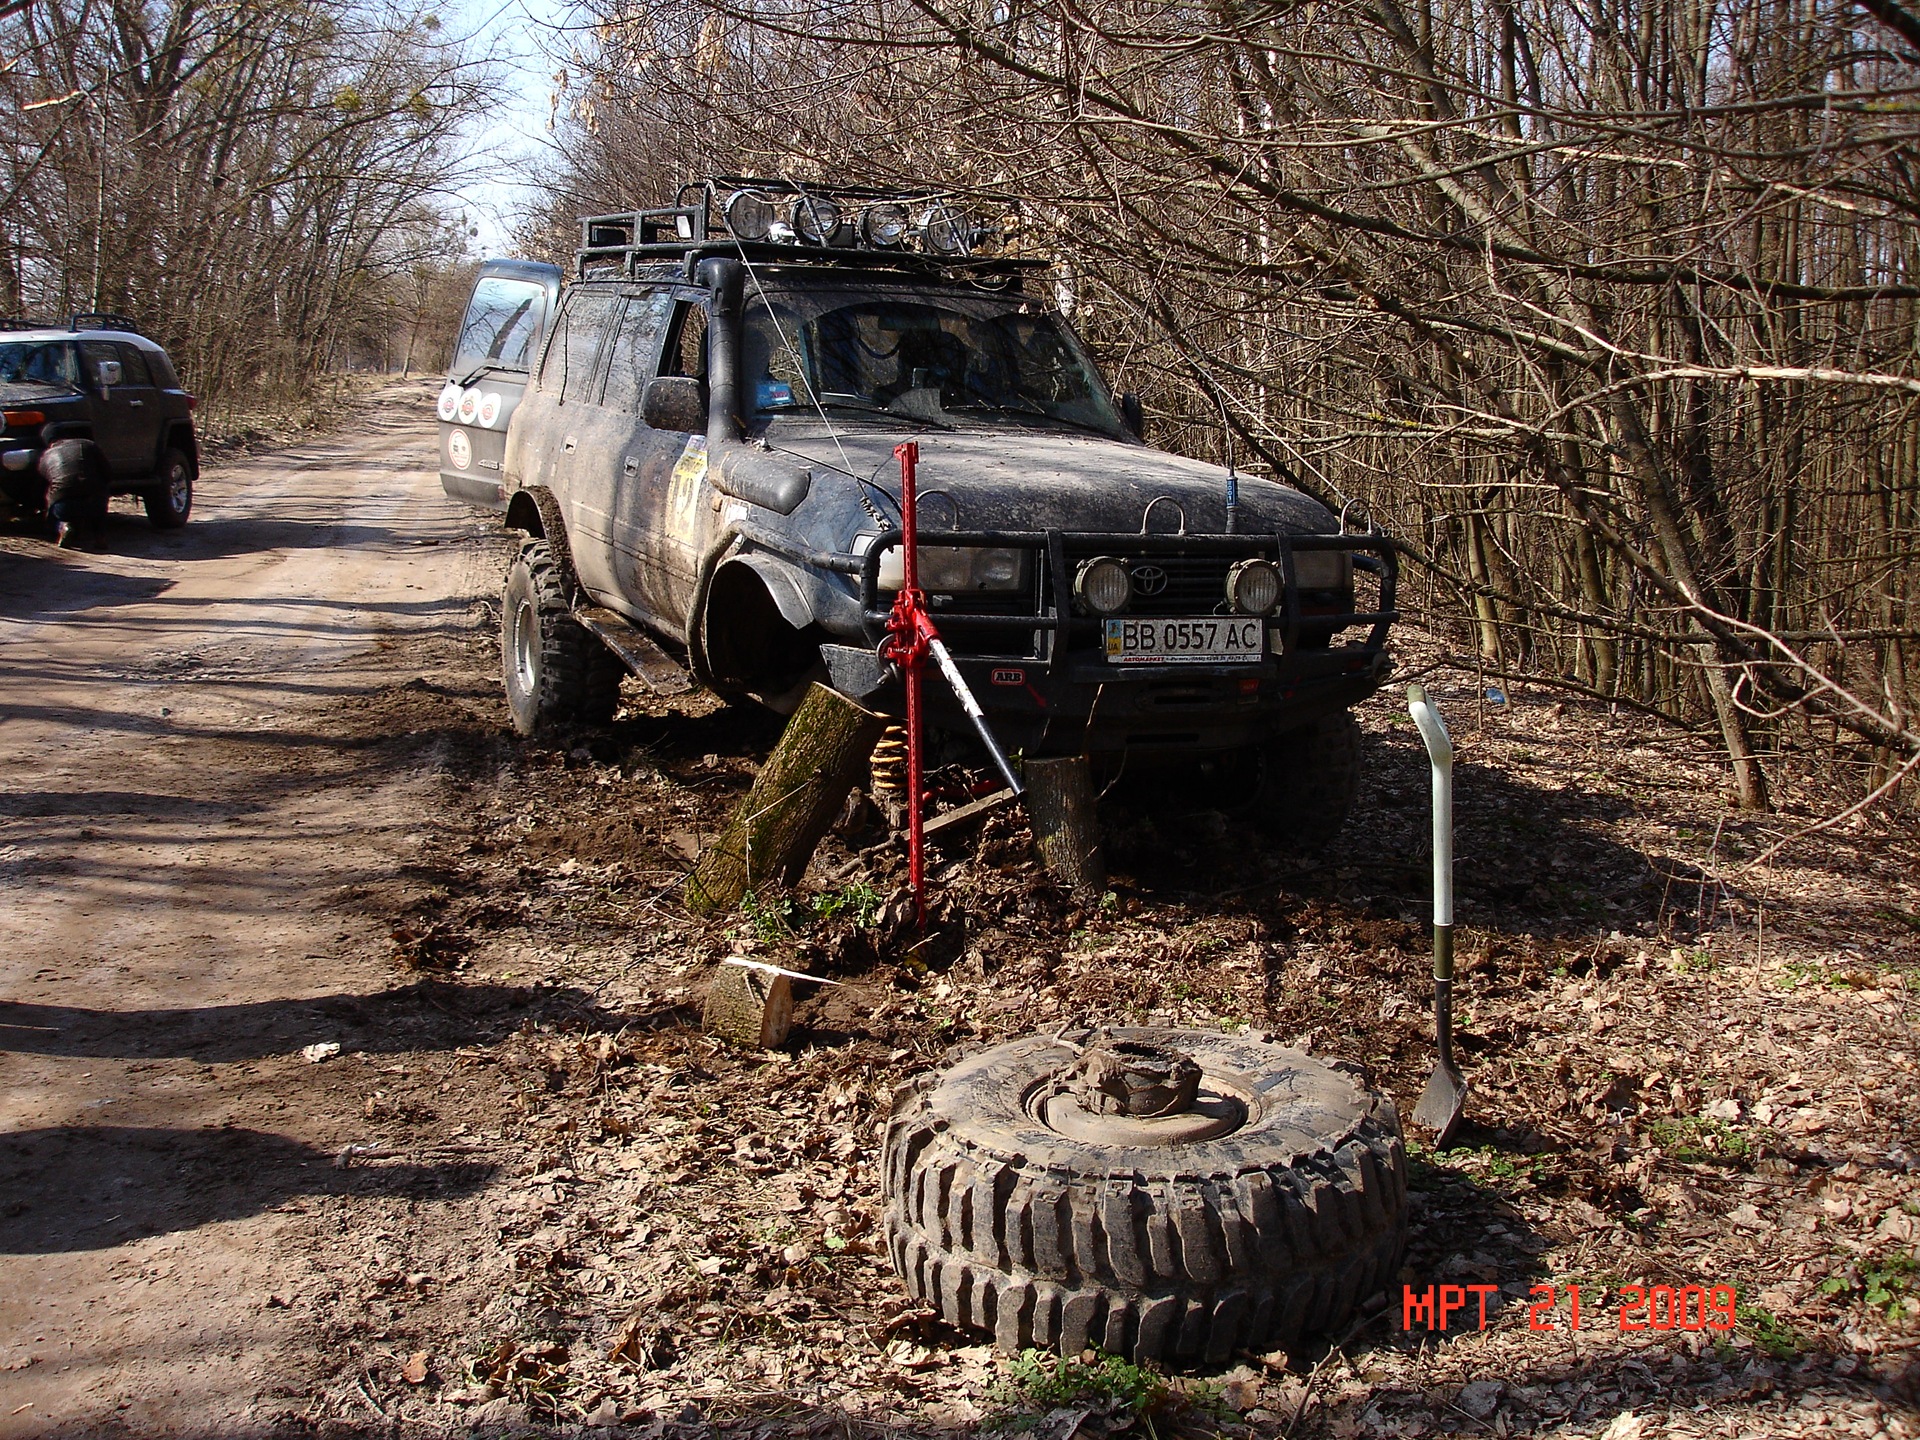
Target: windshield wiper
{"points": [[1036, 413], [865, 406]]}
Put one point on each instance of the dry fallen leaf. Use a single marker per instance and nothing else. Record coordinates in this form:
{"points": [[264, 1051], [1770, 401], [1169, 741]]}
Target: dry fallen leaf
{"points": [[414, 1372]]}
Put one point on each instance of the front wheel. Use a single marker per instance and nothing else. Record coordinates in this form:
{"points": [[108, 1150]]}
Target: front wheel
{"points": [[554, 670], [169, 503], [1309, 781]]}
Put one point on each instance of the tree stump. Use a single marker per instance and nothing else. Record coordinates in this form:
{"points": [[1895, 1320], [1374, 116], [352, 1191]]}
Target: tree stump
{"points": [[749, 1007], [772, 833], [1066, 828]]}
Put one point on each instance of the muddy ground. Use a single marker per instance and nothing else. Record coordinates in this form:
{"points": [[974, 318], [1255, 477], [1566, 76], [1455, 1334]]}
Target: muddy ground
{"points": [[261, 797]]}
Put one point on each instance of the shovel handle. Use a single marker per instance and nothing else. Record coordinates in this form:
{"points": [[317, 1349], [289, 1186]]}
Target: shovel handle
{"points": [[1433, 731]]}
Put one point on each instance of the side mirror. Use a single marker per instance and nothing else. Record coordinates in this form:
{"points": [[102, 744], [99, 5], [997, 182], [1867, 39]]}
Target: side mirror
{"points": [[1132, 416], [675, 402], [108, 374]]}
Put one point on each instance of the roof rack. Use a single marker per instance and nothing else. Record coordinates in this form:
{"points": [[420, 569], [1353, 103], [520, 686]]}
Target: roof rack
{"points": [[84, 320], [105, 320], [789, 222]]}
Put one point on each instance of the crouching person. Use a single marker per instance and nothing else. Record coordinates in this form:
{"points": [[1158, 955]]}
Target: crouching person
{"points": [[77, 483]]}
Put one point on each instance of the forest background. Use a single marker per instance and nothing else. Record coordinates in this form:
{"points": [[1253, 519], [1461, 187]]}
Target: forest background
{"points": [[1607, 310]]}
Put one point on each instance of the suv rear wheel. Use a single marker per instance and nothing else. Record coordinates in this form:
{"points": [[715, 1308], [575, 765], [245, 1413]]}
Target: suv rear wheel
{"points": [[1309, 780], [170, 502], [554, 670]]}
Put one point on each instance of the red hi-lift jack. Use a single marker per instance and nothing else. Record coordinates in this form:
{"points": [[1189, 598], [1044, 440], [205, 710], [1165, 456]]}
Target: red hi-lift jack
{"points": [[911, 638]]}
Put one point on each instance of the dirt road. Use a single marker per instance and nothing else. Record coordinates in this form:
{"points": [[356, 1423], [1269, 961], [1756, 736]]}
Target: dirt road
{"points": [[259, 796], [175, 842]]}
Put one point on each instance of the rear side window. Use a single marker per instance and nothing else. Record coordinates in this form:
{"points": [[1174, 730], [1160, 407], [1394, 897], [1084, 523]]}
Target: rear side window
{"points": [[569, 366], [163, 371], [634, 346], [133, 361]]}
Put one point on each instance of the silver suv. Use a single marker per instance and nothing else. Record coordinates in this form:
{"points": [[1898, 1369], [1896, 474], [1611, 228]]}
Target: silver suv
{"points": [[704, 467]]}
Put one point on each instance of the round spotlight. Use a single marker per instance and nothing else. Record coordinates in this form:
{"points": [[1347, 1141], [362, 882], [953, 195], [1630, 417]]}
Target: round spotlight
{"points": [[749, 214], [814, 218], [884, 226], [1103, 585], [945, 231], [1254, 587]]}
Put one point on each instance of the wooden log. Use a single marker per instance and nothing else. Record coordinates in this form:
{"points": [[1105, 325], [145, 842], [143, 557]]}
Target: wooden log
{"points": [[773, 831], [749, 1007], [1066, 827]]}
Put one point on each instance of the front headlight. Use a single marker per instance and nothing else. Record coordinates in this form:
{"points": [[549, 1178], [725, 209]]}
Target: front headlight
{"points": [[958, 569], [1323, 569]]}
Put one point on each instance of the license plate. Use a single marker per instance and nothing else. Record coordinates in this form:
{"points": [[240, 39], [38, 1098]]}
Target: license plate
{"points": [[1209, 639]]}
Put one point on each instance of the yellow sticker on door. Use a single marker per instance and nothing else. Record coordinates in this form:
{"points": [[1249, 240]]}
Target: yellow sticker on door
{"points": [[683, 486]]}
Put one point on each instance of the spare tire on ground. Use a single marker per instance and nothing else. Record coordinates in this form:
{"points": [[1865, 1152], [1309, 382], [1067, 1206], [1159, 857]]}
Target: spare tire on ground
{"points": [[1091, 1189]]}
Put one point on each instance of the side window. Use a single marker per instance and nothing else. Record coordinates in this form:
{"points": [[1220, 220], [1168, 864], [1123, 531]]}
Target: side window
{"points": [[686, 352], [164, 374], [92, 352], [586, 324], [553, 366], [133, 363], [634, 347]]}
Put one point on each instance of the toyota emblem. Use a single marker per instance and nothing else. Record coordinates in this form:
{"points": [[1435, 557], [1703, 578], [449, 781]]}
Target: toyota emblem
{"points": [[1148, 579]]}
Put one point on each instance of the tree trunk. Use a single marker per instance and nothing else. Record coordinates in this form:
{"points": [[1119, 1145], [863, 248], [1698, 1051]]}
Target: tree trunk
{"points": [[773, 831], [1066, 829]]}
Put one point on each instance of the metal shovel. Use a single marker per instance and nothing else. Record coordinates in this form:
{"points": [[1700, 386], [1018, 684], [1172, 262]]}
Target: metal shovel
{"points": [[1446, 1093]]}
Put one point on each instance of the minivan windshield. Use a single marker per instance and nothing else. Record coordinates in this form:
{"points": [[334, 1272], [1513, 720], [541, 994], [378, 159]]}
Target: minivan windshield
{"points": [[47, 362], [937, 356], [503, 321]]}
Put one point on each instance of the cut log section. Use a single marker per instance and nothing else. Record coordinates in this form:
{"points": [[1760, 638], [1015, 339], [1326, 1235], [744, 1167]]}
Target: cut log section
{"points": [[749, 1007], [1066, 825], [772, 833]]}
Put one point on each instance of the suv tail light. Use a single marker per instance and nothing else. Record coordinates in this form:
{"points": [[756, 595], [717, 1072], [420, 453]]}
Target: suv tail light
{"points": [[193, 402]]}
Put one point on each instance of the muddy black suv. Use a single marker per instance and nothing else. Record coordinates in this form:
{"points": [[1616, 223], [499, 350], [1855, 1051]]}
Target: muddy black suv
{"points": [[704, 467], [98, 381]]}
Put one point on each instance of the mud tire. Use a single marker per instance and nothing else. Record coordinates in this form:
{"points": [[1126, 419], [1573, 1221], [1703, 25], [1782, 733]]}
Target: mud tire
{"points": [[171, 501], [1309, 781], [1185, 1253], [555, 671]]}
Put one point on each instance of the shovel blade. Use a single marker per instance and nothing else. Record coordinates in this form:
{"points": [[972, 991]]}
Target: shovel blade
{"points": [[1441, 1104]]}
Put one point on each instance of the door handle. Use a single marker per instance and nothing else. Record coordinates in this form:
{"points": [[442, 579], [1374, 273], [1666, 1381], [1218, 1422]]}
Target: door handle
{"points": [[136, 404]]}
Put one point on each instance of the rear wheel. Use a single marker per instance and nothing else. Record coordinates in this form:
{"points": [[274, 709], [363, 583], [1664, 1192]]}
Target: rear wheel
{"points": [[170, 502], [1309, 780], [554, 670]]}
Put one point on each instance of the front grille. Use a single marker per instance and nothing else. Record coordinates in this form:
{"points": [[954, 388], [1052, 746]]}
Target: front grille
{"points": [[1195, 584]]}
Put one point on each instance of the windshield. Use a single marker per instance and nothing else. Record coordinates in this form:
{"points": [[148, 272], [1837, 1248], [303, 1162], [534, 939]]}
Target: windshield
{"points": [[45, 362], [945, 356], [503, 321]]}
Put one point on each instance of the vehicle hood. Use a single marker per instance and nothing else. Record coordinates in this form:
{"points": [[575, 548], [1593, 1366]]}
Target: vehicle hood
{"points": [[1020, 479], [24, 392]]}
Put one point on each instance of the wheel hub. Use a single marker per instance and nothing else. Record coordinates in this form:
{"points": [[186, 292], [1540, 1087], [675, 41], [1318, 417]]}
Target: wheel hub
{"points": [[1129, 1092]]}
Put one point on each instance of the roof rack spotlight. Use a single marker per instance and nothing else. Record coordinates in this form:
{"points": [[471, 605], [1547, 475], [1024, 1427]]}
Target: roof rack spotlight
{"points": [[814, 218], [946, 231], [749, 215], [884, 226]]}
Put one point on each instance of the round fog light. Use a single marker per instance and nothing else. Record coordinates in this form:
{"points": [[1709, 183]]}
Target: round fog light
{"points": [[1103, 585], [1254, 587], [749, 214], [814, 218]]}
